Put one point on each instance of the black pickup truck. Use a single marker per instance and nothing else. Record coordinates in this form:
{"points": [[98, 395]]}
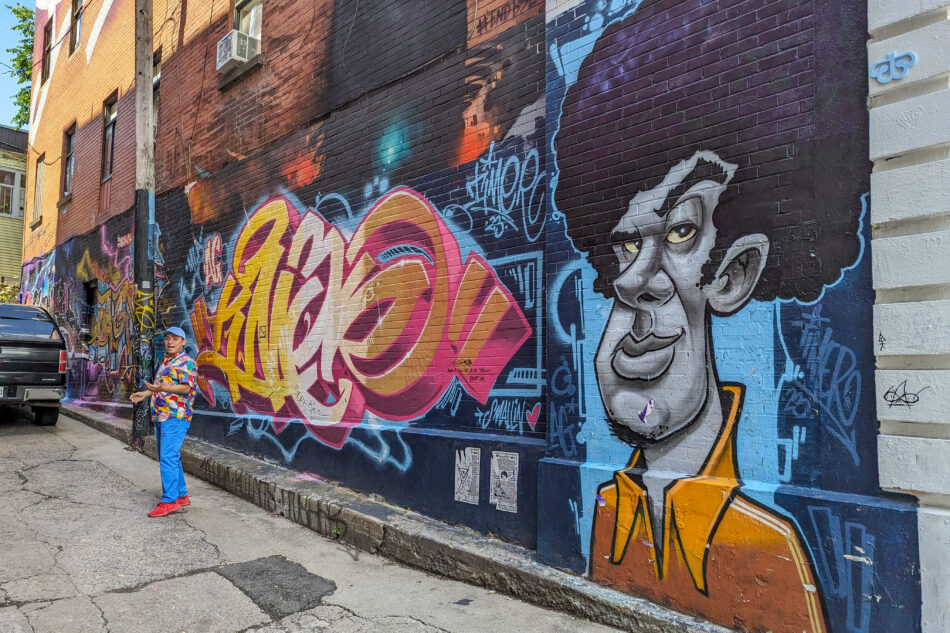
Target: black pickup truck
{"points": [[32, 361]]}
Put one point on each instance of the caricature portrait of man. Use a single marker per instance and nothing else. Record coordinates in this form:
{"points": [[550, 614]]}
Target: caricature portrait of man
{"points": [[705, 161]]}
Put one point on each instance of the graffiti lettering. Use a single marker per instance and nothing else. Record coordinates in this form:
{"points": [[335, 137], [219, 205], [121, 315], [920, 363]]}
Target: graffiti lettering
{"points": [[502, 14], [451, 399], [563, 430], [849, 571], [381, 323], [112, 317], [145, 309], [788, 452], [212, 267], [508, 414], [830, 380], [501, 188]]}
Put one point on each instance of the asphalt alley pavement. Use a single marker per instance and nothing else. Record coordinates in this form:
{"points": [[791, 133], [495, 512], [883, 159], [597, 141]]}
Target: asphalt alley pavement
{"points": [[78, 554]]}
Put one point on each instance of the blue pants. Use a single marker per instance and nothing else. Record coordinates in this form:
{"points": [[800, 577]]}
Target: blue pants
{"points": [[169, 435]]}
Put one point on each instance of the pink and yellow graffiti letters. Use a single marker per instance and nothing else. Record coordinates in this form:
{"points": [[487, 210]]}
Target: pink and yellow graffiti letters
{"points": [[380, 323], [212, 266]]}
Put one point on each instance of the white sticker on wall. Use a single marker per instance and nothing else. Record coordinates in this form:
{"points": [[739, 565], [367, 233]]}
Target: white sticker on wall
{"points": [[504, 481], [467, 470]]}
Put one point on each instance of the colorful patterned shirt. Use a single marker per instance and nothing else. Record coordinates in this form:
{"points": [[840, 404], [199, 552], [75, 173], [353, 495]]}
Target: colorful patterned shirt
{"points": [[175, 370]]}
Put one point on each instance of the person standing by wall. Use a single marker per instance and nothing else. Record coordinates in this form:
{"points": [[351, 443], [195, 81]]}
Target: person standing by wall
{"points": [[173, 394]]}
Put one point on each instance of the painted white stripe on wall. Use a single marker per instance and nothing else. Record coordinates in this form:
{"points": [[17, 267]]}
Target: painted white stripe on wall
{"points": [[912, 124], [909, 193], [97, 28], [884, 12], [903, 264], [915, 328], [914, 464], [911, 260], [44, 88]]}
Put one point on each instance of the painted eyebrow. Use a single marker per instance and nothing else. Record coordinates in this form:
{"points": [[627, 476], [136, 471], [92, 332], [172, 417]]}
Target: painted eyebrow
{"points": [[699, 174]]}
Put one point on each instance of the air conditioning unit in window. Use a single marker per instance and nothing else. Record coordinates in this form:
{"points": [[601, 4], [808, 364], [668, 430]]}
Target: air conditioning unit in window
{"points": [[235, 48]]}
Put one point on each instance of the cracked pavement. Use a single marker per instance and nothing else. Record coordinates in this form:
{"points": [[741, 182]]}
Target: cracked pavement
{"points": [[79, 554]]}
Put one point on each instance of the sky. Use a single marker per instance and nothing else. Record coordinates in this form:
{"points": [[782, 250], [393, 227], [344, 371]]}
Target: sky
{"points": [[8, 85]]}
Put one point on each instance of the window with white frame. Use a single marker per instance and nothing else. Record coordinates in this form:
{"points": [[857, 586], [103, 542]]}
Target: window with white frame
{"points": [[38, 189], [12, 192], [8, 190], [75, 31], [156, 83], [247, 17], [20, 201], [69, 159], [110, 113], [47, 50]]}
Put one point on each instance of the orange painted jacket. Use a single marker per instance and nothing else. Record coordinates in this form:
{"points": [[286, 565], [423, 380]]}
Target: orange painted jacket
{"points": [[721, 556]]}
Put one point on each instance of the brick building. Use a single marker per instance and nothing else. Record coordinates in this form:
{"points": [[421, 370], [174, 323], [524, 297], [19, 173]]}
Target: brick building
{"points": [[592, 277]]}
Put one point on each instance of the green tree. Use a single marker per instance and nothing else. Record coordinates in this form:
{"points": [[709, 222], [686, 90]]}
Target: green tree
{"points": [[22, 62], [8, 293]]}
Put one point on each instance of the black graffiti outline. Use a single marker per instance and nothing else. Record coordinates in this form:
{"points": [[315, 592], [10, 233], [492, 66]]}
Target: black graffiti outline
{"points": [[898, 396]]}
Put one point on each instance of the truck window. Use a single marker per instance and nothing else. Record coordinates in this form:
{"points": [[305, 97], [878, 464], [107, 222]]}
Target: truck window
{"points": [[25, 321]]}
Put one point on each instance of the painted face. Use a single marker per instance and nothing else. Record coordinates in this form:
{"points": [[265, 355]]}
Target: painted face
{"points": [[174, 344], [653, 365]]}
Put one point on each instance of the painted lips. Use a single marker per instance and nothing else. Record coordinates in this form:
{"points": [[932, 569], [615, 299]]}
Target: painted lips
{"points": [[647, 358]]}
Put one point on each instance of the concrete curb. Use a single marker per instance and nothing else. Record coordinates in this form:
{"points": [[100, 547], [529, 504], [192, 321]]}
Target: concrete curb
{"points": [[103, 422], [368, 524]]}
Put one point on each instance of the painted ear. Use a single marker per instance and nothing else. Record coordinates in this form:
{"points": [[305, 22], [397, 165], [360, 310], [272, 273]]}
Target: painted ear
{"points": [[738, 274]]}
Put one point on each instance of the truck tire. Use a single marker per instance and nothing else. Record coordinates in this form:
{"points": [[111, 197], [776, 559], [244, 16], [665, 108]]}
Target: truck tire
{"points": [[45, 416]]}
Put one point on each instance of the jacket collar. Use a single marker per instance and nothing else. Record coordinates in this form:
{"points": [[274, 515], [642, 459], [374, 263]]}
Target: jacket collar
{"points": [[170, 357], [693, 505]]}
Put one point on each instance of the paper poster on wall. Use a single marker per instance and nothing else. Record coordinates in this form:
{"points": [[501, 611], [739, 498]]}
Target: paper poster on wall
{"points": [[467, 471], [504, 481]]}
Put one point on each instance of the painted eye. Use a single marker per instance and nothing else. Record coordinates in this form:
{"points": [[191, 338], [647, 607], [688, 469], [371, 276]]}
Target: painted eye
{"points": [[633, 246], [681, 233]]}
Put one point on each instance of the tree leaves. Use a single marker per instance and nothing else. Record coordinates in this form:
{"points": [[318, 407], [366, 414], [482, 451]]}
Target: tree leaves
{"points": [[22, 61]]}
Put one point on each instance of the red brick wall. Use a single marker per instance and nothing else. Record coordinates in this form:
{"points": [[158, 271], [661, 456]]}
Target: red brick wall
{"points": [[74, 94], [214, 127]]}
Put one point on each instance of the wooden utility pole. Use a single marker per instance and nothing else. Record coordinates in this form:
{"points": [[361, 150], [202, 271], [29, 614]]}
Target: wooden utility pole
{"points": [[144, 214]]}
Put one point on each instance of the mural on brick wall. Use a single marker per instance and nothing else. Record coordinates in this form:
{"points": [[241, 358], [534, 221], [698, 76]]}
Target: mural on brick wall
{"points": [[369, 305], [713, 322], [320, 329], [86, 283], [606, 295], [322, 316]]}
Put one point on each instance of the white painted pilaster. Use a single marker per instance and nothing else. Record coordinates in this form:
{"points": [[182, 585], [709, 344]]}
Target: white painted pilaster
{"points": [[909, 88]]}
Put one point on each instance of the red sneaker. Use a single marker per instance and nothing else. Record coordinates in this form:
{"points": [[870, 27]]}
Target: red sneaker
{"points": [[184, 501], [163, 509]]}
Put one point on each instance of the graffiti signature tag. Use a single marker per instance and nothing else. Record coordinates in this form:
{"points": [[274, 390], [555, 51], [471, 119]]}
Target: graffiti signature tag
{"points": [[381, 323], [500, 189], [899, 396], [831, 382]]}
